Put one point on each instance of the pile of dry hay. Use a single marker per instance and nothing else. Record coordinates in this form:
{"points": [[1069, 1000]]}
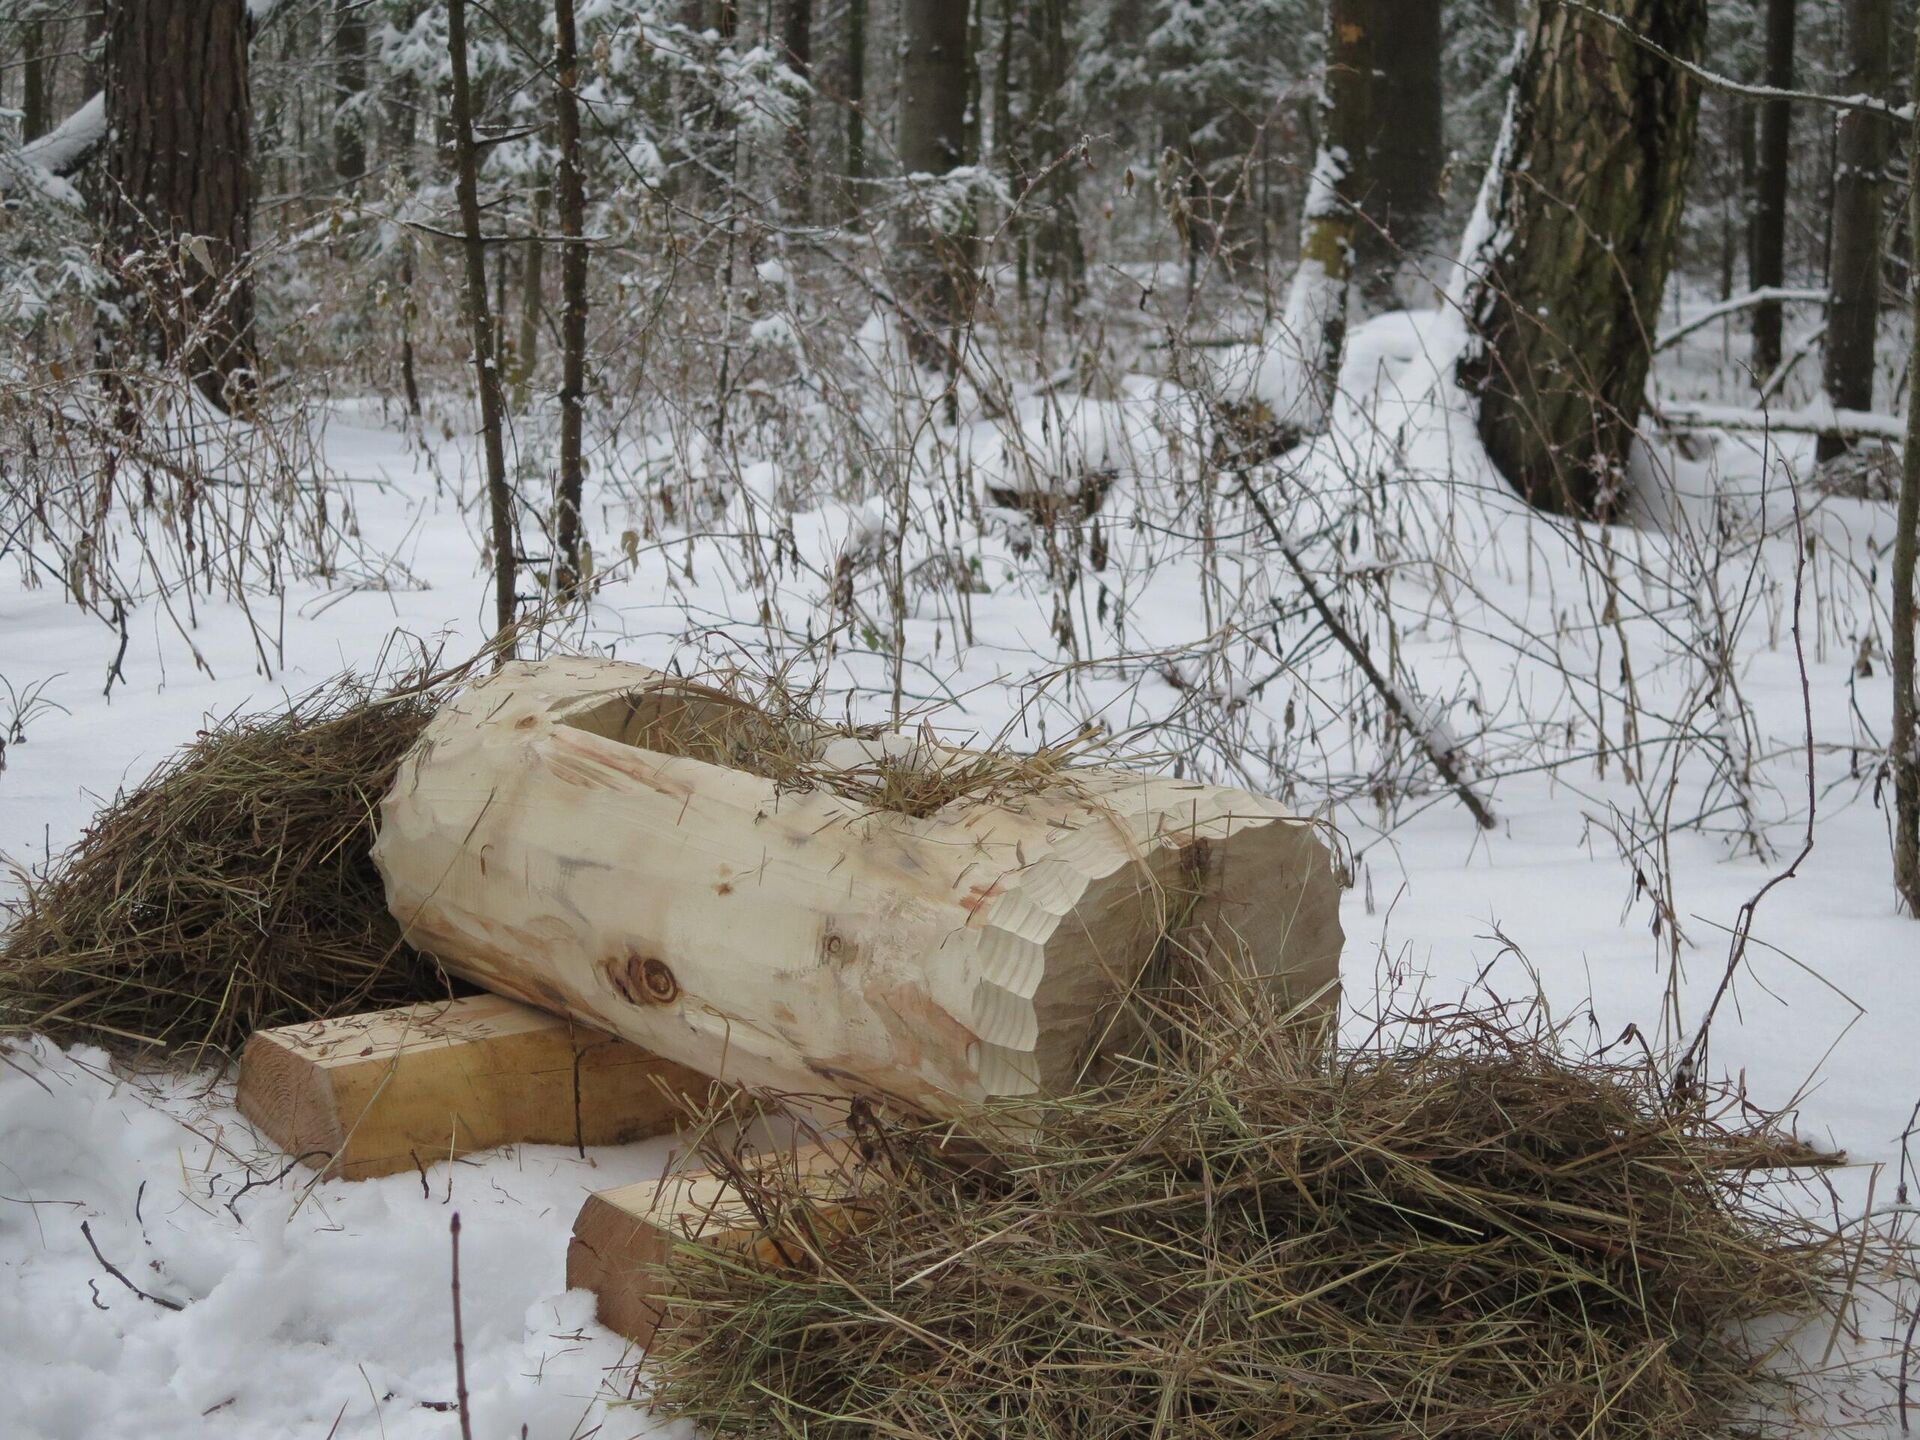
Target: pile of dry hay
{"points": [[1459, 1235], [233, 890]]}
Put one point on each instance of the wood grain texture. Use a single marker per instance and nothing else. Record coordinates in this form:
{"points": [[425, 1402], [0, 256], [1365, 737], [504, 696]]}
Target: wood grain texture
{"points": [[622, 1237], [538, 846], [373, 1094]]}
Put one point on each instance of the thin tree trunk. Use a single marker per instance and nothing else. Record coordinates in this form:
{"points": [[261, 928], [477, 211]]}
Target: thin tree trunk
{"points": [[409, 381], [1011, 136], [573, 290], [1859, 174], [1315, 319], [1063, 257], [1578, 220], [1904, 744], [34, 119], [933, 130], [93, 78], [480, 324], [179, 188], [526, 350], [1406, 153], [796, 40], [1774, 159], [856, 86], [349, 90]]}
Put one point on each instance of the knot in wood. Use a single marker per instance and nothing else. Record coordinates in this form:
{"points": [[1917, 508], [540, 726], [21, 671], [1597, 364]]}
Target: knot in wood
{"points": [[645, 980]]}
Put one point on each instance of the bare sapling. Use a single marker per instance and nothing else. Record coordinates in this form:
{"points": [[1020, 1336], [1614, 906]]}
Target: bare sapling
{"points": [[480, 322]]}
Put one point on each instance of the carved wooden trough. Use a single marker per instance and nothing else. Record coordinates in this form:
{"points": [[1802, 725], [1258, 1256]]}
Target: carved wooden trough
{"points": [[618, 849]]}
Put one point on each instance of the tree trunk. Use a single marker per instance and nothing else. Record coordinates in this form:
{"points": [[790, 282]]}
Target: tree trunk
{"points": [[34, 119], [932, 129], [349, 91], [1050, 54], [550, 839], [526, 349], [1774, 158], [1859, 174], [573, 296], [179, 188], [1576, 231], [1904, 743], [1406, 154], [480, 323], [1315, 319], [856, 86], [796, 42]]}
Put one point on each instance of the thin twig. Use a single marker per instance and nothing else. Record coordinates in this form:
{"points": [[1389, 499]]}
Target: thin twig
{"points": [[459, 1341], [118, 1274]]}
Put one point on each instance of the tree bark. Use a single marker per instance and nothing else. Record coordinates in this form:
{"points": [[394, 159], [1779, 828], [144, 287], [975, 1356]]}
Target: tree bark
{"points": [[1774, 156], [1315, 319], [349, 91], [796, 43], [932, 130], [177, 109], [480, 323], [1576, 235], [34, 119], [1062, 254], [533, 299], [856, 86], [573, 296], [1904, 743], [549, 839], [1859, 175], [1406, 154]]}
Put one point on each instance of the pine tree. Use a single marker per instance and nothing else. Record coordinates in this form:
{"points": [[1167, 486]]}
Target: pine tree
{"points": [[179, 190]]}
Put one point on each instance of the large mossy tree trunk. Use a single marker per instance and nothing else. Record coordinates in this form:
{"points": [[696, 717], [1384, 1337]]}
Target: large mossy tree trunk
{"points": [[1859, 178], [1579, 217], [179, 191], [932, 142]]}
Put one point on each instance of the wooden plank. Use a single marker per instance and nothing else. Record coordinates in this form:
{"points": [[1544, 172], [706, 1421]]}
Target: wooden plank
{"points": [[372, 1094], [622, 1236]]}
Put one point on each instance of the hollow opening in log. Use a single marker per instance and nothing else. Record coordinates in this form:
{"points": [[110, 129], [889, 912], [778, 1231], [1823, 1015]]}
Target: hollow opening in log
{"points": [[776, 739], [699, 724]]}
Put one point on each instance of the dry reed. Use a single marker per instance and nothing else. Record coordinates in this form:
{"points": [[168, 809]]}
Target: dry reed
{"points": [[1463, 1233]]}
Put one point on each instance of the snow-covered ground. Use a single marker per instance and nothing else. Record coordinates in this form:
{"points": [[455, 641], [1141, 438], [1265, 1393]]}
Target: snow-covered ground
{"points": [[1628, 700]]}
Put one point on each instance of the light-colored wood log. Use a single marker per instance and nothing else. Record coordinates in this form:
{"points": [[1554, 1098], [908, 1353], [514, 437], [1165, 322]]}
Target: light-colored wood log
{"points": [[543, 840], [622, 1237], [372, 1094]]}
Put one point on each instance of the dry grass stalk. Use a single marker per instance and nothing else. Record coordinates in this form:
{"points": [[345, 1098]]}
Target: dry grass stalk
{"points": [[1460, 1234], [231, 891]]}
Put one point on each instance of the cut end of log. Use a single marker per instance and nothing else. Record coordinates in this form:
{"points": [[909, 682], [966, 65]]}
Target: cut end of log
{"points": [[373, 1094]]}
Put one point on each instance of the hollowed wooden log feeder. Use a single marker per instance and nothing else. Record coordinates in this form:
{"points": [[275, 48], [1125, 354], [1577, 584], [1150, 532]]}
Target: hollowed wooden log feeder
{"points": [[551, 838]]}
